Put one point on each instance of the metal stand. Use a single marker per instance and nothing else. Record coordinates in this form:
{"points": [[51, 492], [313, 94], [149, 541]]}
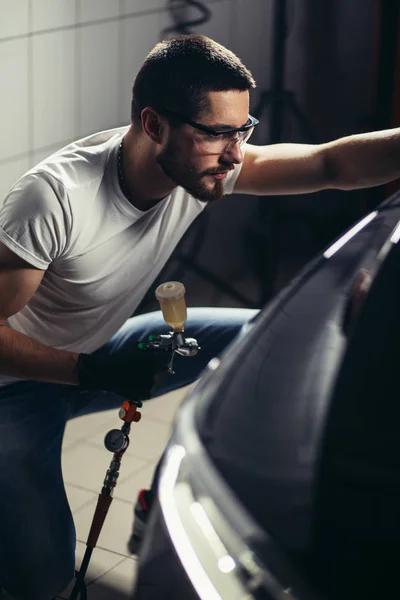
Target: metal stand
{"points": [[117, 441], [277, 98]]}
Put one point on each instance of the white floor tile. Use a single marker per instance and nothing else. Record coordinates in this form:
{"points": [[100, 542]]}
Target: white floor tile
{"points": [[116, 529], [86, 465], [129, 488], [81, 428], [78, 497], [85, 461], [68, 445], [148, 439], [101, 562], [164, 408], [117, 584]]}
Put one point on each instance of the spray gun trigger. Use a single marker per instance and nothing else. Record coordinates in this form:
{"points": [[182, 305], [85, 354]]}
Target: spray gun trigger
{"points": [[170, 366]]}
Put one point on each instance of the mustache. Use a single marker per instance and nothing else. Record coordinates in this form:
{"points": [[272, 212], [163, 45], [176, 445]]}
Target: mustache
{"points": [[223, 169]]}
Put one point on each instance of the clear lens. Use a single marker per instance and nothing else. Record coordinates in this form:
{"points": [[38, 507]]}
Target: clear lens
{"points": [[222, 143], [245, 135]]}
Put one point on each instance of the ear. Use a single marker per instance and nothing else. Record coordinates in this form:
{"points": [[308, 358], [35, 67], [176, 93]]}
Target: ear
{"points": [[152, 124]]}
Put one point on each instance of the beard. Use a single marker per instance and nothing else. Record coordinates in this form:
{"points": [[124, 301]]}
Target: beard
{"points": [[184, 174]]}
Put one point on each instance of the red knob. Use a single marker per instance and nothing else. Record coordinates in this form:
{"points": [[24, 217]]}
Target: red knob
{"points": [[137, 416]]}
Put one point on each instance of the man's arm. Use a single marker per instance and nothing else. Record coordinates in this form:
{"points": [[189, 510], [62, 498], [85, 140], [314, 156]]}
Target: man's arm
{"points": [[353, 162], [20, 356]]}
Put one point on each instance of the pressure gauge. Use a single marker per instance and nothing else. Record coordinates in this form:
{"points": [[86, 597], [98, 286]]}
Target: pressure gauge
{"points": [[116, 441]]}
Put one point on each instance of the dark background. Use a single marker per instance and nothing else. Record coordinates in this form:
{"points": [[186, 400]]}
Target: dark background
{"points": [[338, 61]]}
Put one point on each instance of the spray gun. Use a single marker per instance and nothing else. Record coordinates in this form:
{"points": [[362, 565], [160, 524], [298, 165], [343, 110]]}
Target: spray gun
{"points": [[171, 296]]}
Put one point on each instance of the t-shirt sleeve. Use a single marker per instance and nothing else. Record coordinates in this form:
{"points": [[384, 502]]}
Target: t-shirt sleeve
{"points": [[34, 219], [232, 177]]}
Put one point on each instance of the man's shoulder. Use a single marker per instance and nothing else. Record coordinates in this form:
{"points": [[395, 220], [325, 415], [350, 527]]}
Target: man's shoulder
{"points": [[99, 138], [80, 161]]}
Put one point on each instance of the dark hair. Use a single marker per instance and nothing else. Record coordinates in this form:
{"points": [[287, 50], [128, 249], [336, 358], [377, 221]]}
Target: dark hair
{"points": [[178, 73]]}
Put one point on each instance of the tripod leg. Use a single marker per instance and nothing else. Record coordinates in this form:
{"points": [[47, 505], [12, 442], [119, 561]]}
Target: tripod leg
{"points": [[262, 103], [79, 590]]}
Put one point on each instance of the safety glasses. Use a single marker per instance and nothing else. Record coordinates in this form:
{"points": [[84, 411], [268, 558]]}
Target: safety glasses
{"points": [[214, 140]]}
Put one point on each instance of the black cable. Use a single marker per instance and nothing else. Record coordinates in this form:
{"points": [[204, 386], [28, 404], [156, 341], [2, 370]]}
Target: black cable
{"points": [[183, 26]]}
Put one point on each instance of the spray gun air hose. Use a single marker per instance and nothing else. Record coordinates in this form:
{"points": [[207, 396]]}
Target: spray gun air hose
{"points": [[171, 296]]}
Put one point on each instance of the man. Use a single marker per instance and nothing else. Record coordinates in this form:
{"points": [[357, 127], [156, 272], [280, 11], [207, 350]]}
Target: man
{"points": [[82, 237]]}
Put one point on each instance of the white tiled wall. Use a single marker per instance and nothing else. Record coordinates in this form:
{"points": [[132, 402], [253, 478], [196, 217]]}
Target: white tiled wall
{"points": [[54, 84], [95, 10], [134, 6], [67, 66], [14, 125], [15, 18], [98, 86], [10, 171], [50, 14], [138, 36]]}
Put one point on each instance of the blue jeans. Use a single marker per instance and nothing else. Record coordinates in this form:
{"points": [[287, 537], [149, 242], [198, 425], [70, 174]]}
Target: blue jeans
{"points": [[37, 534]]}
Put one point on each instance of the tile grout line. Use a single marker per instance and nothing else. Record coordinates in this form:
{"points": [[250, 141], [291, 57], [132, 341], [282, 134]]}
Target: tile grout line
{"points": [[98, 547], [121, 48], [85, 504], [98, 446], [22, 155], [97, 493], [93, 22], [123, 556], [31, 107], [85, 440], [77, 69], [123, 559], [108, 571], [97, 431], [88, 502], [146, 464]]}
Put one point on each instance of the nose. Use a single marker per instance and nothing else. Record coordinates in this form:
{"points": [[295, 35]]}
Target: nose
{"points": [[235, 153]]}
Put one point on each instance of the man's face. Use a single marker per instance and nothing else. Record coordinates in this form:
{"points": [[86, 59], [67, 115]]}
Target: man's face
{"points": [[200, 164]]}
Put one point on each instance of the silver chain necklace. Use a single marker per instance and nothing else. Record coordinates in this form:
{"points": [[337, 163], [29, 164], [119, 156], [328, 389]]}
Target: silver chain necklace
{"points": [[121, 178]]}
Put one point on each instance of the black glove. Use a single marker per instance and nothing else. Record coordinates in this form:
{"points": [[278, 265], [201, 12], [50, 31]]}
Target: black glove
{"points": [[130, 375]]}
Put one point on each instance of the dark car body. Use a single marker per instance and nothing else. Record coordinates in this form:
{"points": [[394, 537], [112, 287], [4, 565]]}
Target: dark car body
{"points": [[282, 477]]}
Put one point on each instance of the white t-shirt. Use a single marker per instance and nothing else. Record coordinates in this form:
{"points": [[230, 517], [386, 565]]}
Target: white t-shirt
{"points": [[100, 254]]}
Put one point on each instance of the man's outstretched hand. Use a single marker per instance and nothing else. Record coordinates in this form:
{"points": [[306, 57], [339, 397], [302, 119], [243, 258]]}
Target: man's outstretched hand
{"points": [[130, 375]]}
